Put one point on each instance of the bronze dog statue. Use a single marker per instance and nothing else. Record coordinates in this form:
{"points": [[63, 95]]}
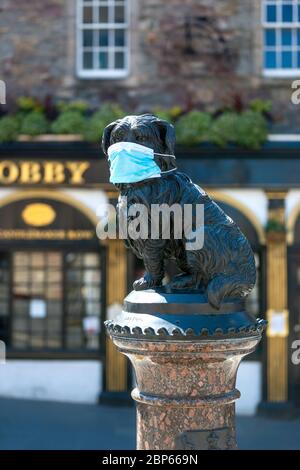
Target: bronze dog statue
{"points": [[224, 267]]}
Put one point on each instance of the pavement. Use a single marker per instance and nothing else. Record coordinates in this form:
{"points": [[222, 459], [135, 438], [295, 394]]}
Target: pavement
{"points": [[37, 425]]}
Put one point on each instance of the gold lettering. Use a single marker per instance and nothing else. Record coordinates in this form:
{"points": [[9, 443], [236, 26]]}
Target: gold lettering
{"points": [[30, 172], [54, 173], [35, 234], [9, 172], [77, 170], [49, 172]]}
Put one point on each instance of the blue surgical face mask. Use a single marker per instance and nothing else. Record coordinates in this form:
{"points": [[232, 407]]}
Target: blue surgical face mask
{"points": [[131, 162]]}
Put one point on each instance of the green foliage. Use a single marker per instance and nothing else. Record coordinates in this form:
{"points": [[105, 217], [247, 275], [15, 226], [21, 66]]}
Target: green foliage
{"points": [[34, 123], [26, 104], [69, 122], [96, 124], [246, 129], [9, 128], [169, 115], [251, 130], [193, 128], [79, 106], [261, 106], [224, 128], [274, 225]]}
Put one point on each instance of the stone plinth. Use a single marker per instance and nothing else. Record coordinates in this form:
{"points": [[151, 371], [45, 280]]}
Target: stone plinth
{"points": [[185, 355]]}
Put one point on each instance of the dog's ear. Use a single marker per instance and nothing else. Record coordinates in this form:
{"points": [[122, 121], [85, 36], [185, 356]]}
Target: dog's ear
{"points": [[167, 135], [106, 136]]}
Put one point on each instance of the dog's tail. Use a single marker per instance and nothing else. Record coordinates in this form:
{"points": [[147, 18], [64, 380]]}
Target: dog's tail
{"points": [[221, 286]]}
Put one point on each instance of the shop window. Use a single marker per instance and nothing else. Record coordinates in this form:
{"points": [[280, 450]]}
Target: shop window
{"points": [[56, 300]]}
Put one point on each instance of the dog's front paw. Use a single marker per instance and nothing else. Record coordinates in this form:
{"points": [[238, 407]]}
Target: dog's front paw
{"points": [[146, 282]]}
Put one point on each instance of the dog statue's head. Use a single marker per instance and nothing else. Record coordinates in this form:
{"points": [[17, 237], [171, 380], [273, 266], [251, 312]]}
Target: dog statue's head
{"points": [[146, 129]]}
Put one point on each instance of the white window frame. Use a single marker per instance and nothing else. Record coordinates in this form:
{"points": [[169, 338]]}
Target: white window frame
{"points": [[80, 26], [278, 26]]}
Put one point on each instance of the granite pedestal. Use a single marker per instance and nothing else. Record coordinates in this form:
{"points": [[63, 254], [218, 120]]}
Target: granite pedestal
{"points": [[185, 356]]}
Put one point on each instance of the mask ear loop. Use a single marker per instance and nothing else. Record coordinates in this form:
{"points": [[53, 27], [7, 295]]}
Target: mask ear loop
{"points": [[166, 155]]}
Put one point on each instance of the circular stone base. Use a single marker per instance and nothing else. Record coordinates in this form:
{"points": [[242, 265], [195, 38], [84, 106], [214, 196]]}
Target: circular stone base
{"points": [[181, 316]]}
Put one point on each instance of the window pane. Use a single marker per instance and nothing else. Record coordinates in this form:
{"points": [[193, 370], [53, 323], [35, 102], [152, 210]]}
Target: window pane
{"points": [[103, 37], [37, 339], [286, 59], [37, 290], [298, 37], [120, 37], [54, 259], [21, 307], [270, 37], [103, 14], [119, 14], [119, 60], [87, 60], [91, 292], [287, 13], [54, 341], [88, 14], [74, 275], [270, 60], [73, 292], [298, 19], [271, 13], [54, 292], [73, 259], [37, 260], [20, 339], [298, 59], [21, 275], [21, 258], [87, 38], [54, 276], [38, 276], [37, 325], [74, 338], [103, 60], [91, 259], [91, 276], [75, 309], [54, 325], [93, 309], [286, 37], [54, 309]]}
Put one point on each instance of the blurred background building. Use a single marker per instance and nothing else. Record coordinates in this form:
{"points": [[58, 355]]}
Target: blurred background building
{"points": [[224, 72]]}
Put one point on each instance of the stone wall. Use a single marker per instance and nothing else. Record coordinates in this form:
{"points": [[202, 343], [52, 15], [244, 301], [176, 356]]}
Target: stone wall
{"points": [[200, 53]]}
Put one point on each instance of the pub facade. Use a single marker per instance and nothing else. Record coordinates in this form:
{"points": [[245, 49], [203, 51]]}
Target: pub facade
{"points": [[58, 281]]}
